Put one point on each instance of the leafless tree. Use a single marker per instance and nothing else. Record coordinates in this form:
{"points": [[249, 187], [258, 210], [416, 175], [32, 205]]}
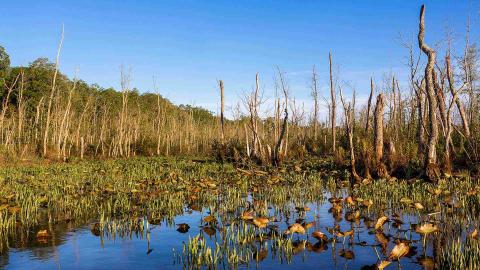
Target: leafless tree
{"points": [[349, 113], [333, 105], [381, 169], [431, 167], [315, 102], [222, 106], [52, 93], [372, 90]]}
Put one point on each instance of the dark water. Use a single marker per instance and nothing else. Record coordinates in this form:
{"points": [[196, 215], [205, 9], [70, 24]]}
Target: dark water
{"points": [[79, 248]]}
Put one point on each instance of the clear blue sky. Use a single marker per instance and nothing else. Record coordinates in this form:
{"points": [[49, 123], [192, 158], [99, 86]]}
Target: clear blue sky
{"points": [[188, 45]]}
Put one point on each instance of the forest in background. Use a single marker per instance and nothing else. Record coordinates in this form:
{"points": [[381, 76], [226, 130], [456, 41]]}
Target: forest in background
{"points": [[45, 114], [429, 126]]}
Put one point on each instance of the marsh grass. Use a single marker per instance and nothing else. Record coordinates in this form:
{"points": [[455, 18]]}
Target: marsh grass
{"points": [[127, 198], [461, 255]]}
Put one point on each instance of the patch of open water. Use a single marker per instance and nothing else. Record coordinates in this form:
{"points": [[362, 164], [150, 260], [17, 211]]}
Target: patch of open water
{"points": [[79, 248]]}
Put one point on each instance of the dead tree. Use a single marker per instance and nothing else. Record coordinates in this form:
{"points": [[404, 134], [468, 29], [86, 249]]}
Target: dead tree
{"points": [[285, 89], [441, 102], [253, 104], [349, 113], [468, 70], [381, 169], [6, 101], [419, 90], [333, 121], [222, 108], [449, 124], [315, 103], [458, 102], [276, 154], [420, 97], [50, 100], [367, 125], [431, 167]]}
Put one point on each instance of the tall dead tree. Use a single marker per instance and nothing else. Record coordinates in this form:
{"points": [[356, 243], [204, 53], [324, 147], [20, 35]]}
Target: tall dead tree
{"points": [[449, 124], [458, 102], [50, 100], [367, 124], [315, 102], [253, 103], [277, 152], [222, 108], [381, 169], [62, 137], [420, 98], [349, 113], [431, 167], [285, 89], [6, 101], [333, 121], [468, 69], [440, 101], [158, 119], [21, 110]]}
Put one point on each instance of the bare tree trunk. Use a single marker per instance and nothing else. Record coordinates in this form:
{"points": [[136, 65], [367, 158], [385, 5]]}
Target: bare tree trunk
{"points": [[381, 169], [63, 127], [246, 140], [285, 90], [468, 67], [21, 112], [441, 102], [222, 121], [420, 125], [315, 103], [349, 123], [461, 110], [333, 106], [372, 89], [253, 104], [393, 111], [449, 125], [276, 158], [82, 142], [276, 154], [431, 167], [5, 103], [366, 159], [159, 123], [52, 93]]}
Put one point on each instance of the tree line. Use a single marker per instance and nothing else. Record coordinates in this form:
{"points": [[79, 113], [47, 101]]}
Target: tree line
{"points": [[44, 114]]}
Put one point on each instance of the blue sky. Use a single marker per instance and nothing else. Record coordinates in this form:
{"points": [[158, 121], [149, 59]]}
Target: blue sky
{"points": [[188, 45]]}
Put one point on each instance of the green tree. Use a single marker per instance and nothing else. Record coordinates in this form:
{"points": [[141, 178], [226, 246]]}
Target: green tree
{"points": [[4, 62], [42, 62]]}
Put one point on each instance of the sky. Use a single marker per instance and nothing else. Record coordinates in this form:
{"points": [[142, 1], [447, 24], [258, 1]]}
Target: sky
{"points": [[188, 45]]}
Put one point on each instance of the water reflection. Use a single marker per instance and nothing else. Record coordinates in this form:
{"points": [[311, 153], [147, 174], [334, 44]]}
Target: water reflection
{"points": [[335, 236]]}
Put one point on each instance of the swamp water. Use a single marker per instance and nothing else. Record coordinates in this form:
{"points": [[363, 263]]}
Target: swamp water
{"points": [[187, 215]]}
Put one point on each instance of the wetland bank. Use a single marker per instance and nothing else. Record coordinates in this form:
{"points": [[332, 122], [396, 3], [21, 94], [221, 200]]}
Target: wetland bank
{"points": [[95, 178]]}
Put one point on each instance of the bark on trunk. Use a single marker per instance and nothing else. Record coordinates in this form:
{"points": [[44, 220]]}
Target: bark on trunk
{"points": [[367, 125], [381, 169], [431, 167], [222, 108], [458, 102], [333, 111]]}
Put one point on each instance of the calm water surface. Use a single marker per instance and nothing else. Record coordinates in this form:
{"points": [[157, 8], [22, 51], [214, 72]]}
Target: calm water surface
{"points": [[79, 248]]}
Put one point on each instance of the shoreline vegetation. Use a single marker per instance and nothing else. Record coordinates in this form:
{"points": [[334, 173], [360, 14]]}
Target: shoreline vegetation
{"points": [[45, 115], [404, 168]]}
